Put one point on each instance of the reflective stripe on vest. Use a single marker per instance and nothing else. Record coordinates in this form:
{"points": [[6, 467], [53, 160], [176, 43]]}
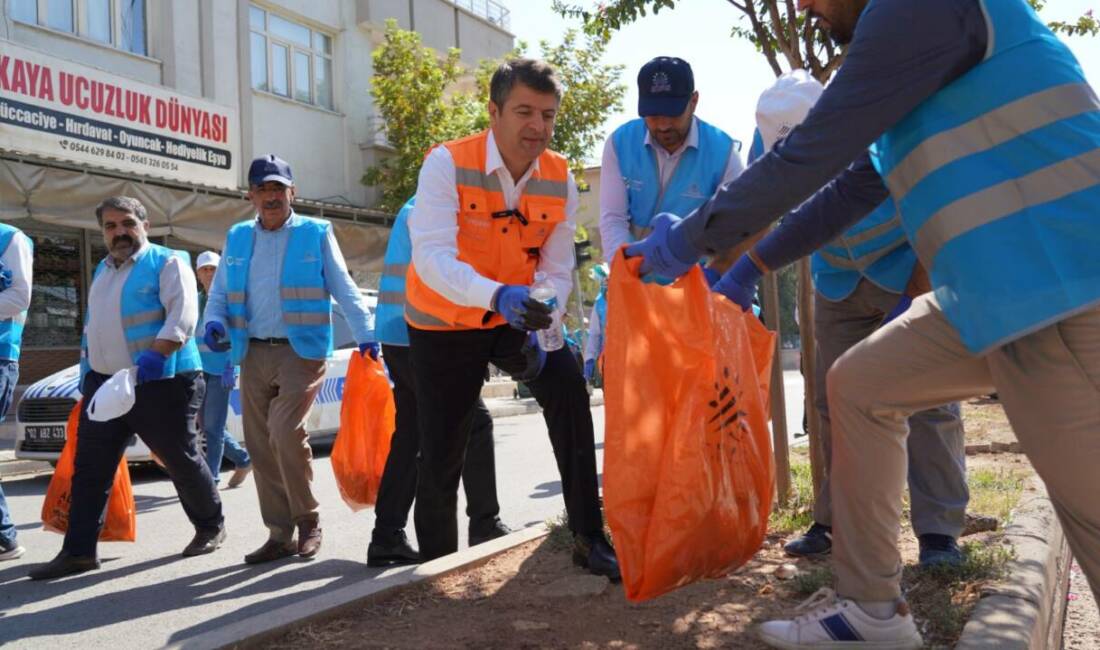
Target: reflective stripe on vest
{"points": [[389, 318], [11, 329], [498, 246], [997, 179], [143, 314], [876, 248], [305, 302], [698, 172]]}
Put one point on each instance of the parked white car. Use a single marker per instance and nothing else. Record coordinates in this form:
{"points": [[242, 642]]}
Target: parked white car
{"points": [[45, 406]]}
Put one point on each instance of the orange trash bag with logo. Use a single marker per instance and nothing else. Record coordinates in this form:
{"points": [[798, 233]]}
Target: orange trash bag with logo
{"points": [[688, 470], [120, 524], [366, 426]]}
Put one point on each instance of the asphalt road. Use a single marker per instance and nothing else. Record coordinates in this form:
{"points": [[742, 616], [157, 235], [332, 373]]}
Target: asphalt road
{"points": [[146, 595]]}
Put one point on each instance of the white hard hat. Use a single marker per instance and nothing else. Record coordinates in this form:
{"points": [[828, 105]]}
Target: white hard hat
{"points": [[114, 398], [208, 258], [783, 106]]}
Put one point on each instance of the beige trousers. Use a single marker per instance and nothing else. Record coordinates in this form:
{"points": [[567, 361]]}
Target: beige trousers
{"points": [[1049, 383], [277, 390]]}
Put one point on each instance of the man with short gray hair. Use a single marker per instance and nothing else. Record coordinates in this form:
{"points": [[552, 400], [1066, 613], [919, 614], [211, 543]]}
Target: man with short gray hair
{"points": [[142, 310]]}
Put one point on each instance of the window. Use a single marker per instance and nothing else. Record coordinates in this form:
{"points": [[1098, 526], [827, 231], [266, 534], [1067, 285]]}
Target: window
{"points": [[290, 59], [120, 23], [25, 11], [59, 15], [54, 318], [99, 20]]}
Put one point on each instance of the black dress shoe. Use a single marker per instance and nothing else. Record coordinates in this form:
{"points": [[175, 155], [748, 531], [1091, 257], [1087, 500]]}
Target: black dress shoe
{"points": [[205, 541], [391, 549], [483, 532], [271, 551], [64, 565], [595, 554]]}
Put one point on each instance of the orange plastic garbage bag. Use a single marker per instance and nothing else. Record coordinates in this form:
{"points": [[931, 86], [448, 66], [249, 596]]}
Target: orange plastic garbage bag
{"points": [[688, 469], [366, 426], [120, 524]]}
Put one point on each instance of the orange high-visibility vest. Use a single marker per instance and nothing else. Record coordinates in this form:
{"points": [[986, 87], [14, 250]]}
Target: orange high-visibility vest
{"points": [[499, 247]]}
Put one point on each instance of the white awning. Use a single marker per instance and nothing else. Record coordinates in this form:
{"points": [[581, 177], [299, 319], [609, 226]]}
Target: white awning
{"points": [[57, 193]]}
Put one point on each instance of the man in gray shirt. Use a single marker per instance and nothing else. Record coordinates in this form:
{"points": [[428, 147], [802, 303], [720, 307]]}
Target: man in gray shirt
{"points": [[142, 310]]}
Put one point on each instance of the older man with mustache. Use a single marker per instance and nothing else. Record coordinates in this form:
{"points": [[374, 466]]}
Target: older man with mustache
{"points": [[271, 307], [142, 310]]}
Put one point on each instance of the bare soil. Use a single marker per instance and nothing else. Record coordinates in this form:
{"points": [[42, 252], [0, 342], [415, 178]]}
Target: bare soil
{"points": [[499, 604]]}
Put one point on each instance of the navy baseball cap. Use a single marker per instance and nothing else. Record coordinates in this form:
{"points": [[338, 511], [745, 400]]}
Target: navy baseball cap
{"points": [[665, 85], [270, 168]]}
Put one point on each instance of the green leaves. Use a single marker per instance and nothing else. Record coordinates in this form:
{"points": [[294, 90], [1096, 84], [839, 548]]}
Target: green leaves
{"points": [[426, 98]]}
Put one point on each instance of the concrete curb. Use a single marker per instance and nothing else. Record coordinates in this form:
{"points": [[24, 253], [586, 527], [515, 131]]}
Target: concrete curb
{"points": [[11, 467], [1027, 610], [253, 631]]}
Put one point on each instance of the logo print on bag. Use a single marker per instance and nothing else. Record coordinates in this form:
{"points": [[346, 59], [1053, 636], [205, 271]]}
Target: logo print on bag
{"points": [[728, 418]]}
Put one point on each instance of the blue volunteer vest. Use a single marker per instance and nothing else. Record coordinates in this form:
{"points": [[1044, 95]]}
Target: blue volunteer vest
{"points": [[389, 319], [306, 303], [997, 179], [876, 248], [143, 313], [11, 329], [213, 363], [695, 179]]}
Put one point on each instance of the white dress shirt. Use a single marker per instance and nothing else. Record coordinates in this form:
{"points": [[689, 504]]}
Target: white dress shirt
{"points": [[433, 229], [594, 345], [20, 260], [614, 217], [107, 352]]}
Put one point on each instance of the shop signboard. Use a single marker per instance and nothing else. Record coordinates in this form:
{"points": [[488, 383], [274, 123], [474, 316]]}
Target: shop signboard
{"points": [[63, 109]]}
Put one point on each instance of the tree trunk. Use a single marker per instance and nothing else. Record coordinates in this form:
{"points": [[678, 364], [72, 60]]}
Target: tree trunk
{"points": [[778, 399], [809, 366]]}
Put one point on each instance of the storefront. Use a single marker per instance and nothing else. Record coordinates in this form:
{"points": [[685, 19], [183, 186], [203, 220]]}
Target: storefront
{"points": [[72, 135]]}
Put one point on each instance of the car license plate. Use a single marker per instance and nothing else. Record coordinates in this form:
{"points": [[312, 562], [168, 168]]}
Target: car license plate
{"points": [[44, 433]]}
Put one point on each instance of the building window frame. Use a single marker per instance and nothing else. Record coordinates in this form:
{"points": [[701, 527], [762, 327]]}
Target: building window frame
{"points": [[318, 53], [119, 39]]}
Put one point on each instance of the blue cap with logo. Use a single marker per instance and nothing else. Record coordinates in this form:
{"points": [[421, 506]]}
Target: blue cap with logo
{"points": [[270, 168], [665, 86]]}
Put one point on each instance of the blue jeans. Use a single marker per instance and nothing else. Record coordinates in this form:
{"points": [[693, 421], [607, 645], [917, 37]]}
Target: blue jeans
{"points": [[215, 411], [9, 375]]}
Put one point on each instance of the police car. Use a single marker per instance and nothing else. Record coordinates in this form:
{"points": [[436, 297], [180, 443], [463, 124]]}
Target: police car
{"points": [[45, 406]]}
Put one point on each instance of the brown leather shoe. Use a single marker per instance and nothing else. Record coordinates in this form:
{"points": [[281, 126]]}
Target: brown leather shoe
{"points": [[271, 551], [309, 539], [239, 475]]}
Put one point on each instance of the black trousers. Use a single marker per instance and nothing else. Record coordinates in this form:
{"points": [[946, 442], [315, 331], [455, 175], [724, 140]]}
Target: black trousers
{"points": [[398, 488], [450, 369], [164, 416]]}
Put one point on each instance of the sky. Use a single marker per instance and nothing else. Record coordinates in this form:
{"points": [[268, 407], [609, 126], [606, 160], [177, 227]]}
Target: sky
{"points": [[729, 73]]}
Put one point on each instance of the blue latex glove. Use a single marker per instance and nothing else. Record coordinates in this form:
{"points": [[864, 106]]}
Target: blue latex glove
{"points": [[898, 309], [370, 348], [589, 369], [665, 250], [739, 283], [522, 312], [5, 276], [711, 275], [214, 337], [150, 366], [229, 377]]}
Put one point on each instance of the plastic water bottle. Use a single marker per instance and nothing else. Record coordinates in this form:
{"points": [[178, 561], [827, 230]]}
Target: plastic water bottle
{"points": [[542, 290]]}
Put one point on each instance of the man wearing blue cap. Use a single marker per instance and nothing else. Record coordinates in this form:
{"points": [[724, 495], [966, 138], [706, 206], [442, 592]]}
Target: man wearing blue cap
{"points": [[667, 160], [271, 306]]}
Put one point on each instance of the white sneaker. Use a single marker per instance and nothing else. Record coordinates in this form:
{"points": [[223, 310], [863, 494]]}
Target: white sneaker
{"points": [[12, 553], [834, 622]]}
